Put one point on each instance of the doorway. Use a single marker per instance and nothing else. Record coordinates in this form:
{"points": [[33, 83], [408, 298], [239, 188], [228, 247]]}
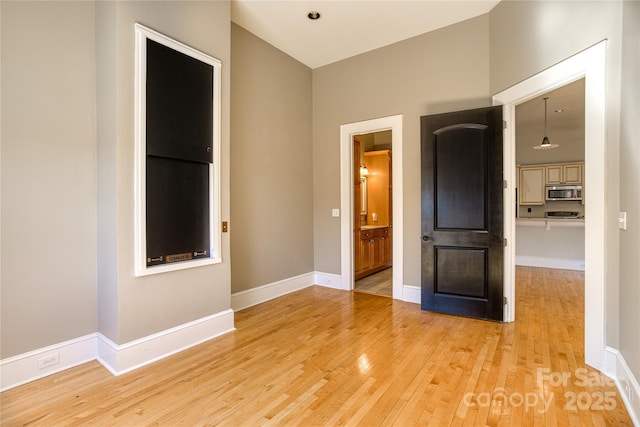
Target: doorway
{"points": [[347, 223], [550, 229], [590, 65], [372, 213]]}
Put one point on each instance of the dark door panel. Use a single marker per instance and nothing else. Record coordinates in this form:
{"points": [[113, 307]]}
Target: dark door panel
{"points": [[461, 271], [462, 213], [461, 175]]}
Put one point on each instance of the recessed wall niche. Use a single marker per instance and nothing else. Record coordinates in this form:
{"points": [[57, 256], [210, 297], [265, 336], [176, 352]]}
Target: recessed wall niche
{"points": [[177, 151]]}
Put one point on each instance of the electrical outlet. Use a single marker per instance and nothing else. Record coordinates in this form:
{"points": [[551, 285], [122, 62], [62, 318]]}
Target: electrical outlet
{"points": [[335, 213], [50, 360], [627, 390]]}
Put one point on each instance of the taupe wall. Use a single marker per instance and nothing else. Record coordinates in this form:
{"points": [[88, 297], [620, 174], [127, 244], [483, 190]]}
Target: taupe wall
{"points": [[526, 38], [48, 174], [271, 169], [630, 189], [445, 70], [146, 305]]}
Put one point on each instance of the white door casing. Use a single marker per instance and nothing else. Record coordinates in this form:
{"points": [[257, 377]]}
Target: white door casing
{"points": [[347, 132], [588, 64]]}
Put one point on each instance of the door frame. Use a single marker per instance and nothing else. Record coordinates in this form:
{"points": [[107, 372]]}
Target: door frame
{"points": [[347, 132], [588, 64]]}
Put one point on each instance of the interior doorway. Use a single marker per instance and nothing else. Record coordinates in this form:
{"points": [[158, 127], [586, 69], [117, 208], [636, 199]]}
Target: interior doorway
{"points": [[550, 227], [373, 213], [348, 166], [590, 65]]}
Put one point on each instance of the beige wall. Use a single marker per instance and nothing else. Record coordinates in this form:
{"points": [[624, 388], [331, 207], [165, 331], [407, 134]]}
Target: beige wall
{"points": [[441, 71], [134, 307], [271, 169], [630, 189], [48, 174]]}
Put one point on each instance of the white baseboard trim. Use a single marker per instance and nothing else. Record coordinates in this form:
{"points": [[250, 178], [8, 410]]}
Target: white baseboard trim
{"points": [[546, 262], [30, 366], [119, 359], [250, 297], [617, 368], [412, 294], [328, 280]]}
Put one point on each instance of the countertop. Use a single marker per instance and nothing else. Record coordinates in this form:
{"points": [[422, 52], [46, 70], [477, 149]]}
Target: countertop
{"points": [[551, 222], [372, 227]]}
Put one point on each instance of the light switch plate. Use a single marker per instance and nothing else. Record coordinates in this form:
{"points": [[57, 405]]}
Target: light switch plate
{"points": [[335, 212], [622, 220]]}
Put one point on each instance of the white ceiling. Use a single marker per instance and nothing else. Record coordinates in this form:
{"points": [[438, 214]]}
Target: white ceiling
{"points": [[347, 28], [351, 27], [565, 128]]}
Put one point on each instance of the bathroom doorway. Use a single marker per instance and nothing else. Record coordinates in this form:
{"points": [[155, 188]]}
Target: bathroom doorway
{"points": [[373, 213], [348, 164]]}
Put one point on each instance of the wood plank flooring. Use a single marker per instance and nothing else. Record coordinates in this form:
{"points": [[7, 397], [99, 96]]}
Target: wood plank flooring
{"points": [[321, 356]]}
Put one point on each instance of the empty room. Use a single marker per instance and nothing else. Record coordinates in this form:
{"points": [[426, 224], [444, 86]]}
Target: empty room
{"points": [[190, 191]]}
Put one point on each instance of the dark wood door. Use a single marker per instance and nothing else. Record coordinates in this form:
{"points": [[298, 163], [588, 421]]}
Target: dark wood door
{"points": [[462, 213]]}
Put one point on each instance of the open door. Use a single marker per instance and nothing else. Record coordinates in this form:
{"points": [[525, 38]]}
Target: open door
{"points": [[462, 213]]}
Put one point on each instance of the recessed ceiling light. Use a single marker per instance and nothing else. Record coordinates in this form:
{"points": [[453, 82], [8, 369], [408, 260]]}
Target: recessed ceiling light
{"points": [[313, 15]]}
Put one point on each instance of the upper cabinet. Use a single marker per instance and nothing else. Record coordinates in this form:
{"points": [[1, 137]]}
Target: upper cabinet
{"points": [[533, 178], [569, 173], [532, 185]]}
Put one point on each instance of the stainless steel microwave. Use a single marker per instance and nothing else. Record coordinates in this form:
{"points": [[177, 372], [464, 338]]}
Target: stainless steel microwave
{"points": [[563, 192]]}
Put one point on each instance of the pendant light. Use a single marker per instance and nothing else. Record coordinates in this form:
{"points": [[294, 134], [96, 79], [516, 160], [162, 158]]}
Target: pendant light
{"points": [[545, 144]]}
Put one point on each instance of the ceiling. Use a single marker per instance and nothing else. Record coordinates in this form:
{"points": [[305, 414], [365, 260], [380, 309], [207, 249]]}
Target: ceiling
{"points": [[347, 27], [564, 128], [351, 27]]}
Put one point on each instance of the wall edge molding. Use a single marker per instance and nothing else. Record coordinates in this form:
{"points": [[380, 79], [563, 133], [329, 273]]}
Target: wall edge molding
{"points": [[23, 368], [254, 296], [412, 294], [547, 262], [616, 367], [328, 280], [119, 359]]}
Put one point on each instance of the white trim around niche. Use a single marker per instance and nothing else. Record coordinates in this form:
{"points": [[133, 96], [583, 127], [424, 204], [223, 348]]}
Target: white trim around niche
{"points": [[143, 33]]}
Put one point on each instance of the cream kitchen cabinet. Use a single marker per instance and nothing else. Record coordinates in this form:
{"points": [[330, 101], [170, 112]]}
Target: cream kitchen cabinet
{"points": [[569, 173], [531, 185]]}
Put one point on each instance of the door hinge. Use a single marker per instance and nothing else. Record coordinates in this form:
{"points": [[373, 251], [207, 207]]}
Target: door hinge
{"points": [[504, 183], [505, 243], [505, 300], [504, 124]]}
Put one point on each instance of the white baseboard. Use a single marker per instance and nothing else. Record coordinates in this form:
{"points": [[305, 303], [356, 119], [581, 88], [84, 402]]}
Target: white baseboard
{"points": [[26, 367], [328, 280], [119, 359], [616, 367], [267, 292], [412, 294], [546, 262]]}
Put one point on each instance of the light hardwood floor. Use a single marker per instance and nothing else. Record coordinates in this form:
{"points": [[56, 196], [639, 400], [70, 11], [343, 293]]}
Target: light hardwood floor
{"points": [[321, 356]]}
